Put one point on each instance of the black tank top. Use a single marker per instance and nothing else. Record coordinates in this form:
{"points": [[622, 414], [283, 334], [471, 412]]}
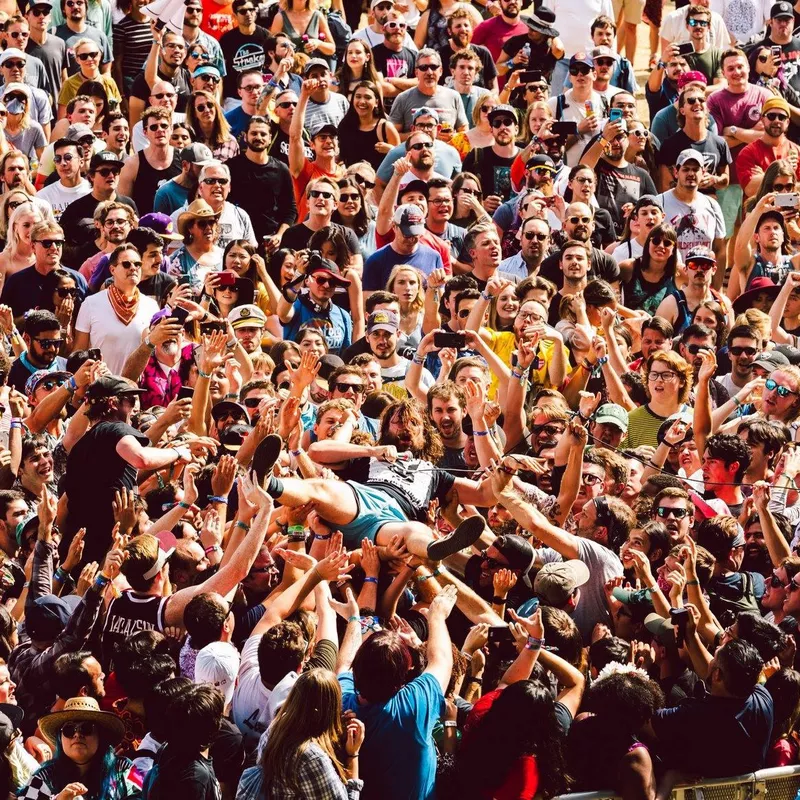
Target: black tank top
{"points": [[130, 613], [148, 179]]}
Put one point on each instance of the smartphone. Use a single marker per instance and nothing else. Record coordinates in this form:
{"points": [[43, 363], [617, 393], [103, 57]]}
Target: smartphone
{"points": [[501, 642], [787, 199], [564, 128], [777, 52], [678, 617], [185, 392], [185, 280], [615, 115], [180, 314], [530, 75], [95, 354], [226, 278], [550, 201], [207, 328], [685, 49], [444, 339]]}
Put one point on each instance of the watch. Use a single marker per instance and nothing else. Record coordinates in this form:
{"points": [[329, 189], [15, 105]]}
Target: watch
{"points": [[733, 130]]}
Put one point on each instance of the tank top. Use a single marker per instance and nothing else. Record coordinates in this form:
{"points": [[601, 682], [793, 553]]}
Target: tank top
{"points": [[643, 294], [437, 36], [130, 613], [359, 145], [311, 32], [149, 179]]}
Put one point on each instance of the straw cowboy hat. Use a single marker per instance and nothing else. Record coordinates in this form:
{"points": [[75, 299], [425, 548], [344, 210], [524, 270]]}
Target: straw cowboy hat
{"points": [[82, 709], [199, 209]]}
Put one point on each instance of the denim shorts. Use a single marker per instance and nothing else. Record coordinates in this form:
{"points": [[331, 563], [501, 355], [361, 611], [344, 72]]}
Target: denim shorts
{"points": [[375, 509]]}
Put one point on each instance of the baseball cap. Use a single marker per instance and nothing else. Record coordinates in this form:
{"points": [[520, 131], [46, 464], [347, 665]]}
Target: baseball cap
{"points": [[373, 3], [247, 315], [49, 615], [105, 157], [503, 108], [233, 437], [555, 582], [410, 219], [383, 320], [688, 155], [331, 130], [41, 375], [603, 52], [518, 552], [319, 264], [315, 62], [612, 414], [110, 386], [166, 547], [197, 153], [12, 52], [79, 131], [581, 58], [415, 185], [161, 224], [217, 664], [206, 69], [781, 9], [647, 200], [770, 361], [424, 112], [540, 161], [791, 353], [701, 253], [228, 405], [11, 717], [37, 3]]}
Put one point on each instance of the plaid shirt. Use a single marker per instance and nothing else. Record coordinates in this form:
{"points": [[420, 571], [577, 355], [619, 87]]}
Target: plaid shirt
{"points": [[227, 150], [32, 668], [161, 389], [125, 783], [317, 778]]}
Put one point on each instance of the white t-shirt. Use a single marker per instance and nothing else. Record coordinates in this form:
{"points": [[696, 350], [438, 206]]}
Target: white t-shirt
{"points": [[574, 19], [233, 224], [697, 224], [60, 196], [115, 340], [674, 30], [371, 38], [394, 379], [625, 251], [744, 18], [575, 111]]}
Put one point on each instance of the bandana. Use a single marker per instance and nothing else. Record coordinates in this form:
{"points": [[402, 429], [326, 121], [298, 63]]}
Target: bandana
{"points": [[124, 309]]}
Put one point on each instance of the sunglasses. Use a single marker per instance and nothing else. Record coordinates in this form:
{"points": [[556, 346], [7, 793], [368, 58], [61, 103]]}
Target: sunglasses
{"points": [[246, 10], [210, 79], [694, 349], [698, 23], [252, 87], [396, 26], [604, 62], [200, 54], [201, 109], [322, 281], [428, 67], [321, 193], [107, 171], [87, 56], [67, 291], [421, 146], [740, 350], [80, 728], [703, 266], [346, 198], [540, 237], [205, 223], [659, 240], [486, 109], [52, 383], [536, 87], [579, 71], [48, 243], [215, 181], [39, 12], [287, 104], [502, 122], [163, 126], [251, 402], [642, 134], [128, 265], [45, 343], [782, 187], [776, 583], [358, 388], [695, 101], [162, 95], [284, 385], [549, 430], [21, 97], [774, 116], [14, 204], [16, 64], [783, 391], [464, 313], [473, 192], [792, 586], [492, 563], [3, 112], [582, 220], [678, 513], [364, 182]]}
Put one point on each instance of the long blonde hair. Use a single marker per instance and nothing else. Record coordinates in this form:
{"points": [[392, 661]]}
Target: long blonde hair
{"points": [[418, 303], [312, 714]]}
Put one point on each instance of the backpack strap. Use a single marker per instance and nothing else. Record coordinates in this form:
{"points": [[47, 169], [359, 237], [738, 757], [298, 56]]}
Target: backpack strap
{"points": [[561, 104]]}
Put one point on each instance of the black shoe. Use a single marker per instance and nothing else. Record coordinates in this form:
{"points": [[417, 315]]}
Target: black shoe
{"points": [[467, 533], [265, 457]]}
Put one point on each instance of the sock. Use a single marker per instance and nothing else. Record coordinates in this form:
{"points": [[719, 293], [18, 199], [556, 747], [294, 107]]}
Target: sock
{"points": [[274, 488]]}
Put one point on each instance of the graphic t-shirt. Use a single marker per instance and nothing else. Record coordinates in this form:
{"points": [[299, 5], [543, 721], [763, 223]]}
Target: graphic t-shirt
{"points": [[697, 224], [242, 51], [394, 64], [493, 170], [617, 186]]}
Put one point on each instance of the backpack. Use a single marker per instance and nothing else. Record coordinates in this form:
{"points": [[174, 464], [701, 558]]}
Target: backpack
{"points": [[341, 32], [561, 104], [727, 602]]}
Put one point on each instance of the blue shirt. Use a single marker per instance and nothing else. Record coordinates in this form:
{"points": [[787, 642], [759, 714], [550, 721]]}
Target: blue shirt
{"points": [[446, 160], [170, 197], [379, 265], [398, 758], [238, 119], [338, 331]]}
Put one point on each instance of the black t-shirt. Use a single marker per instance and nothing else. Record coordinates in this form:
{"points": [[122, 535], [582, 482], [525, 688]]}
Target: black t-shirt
{"points": [[264, 191], [242, 52], [714, 149], [84, 208], [493, 170], [488, 70], [393, 64], [790, 60], [180, 80], [157, 286], [541, 57], [24, 290], [617, 186], [601, 266], [279, 146], [176, 774], [297, 237]]}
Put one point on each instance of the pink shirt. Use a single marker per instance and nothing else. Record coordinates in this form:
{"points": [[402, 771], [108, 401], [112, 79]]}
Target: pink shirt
{"points": [[759, 154], [495, 32]]}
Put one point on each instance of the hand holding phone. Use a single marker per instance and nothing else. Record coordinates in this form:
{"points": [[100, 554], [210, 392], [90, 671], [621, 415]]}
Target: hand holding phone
{"points": [[442, 339]]}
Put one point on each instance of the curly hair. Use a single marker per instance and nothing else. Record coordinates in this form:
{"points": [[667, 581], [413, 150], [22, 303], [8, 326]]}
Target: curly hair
{"points": [[433, 449]]}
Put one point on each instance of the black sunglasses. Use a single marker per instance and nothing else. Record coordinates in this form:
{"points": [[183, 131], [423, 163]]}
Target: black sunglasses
{"points": [[678, 513], [358, 388]]}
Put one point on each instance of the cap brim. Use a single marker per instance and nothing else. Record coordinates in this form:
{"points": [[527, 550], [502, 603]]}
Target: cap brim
{"points": [[412, 230], [333, 276], [382, 327], [611, 421]]}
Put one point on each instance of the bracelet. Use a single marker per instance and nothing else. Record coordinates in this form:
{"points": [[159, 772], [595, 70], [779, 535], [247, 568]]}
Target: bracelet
{"points": [[185, 506], [354, 618], [213, 498], [231, 396], [468, 656], [737, 401], [243, 525], [231, 345], [486, 296], [371, 580], [15, 333], [693, 583], [15, 424], [212, 548], [17, 420], [660, 65], [101, 581], [498, 601], [450, 723], [60, 574], [71, 385], [149, 344], [297, 452], [203, 374], [480, 433], [533, 643], [417, 359], [473, 679], [602, 360], [322, 538], [517, 374]]}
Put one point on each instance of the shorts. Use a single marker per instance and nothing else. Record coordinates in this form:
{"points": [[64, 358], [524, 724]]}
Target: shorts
{"points": [[632, 10], [375, 509]]}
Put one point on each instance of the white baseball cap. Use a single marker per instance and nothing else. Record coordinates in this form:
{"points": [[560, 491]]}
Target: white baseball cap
{"points": [[217, 664]]}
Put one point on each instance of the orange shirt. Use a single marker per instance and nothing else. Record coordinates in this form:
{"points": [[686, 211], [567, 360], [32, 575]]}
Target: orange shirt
{"points": [[217, 18], [311, 170]]}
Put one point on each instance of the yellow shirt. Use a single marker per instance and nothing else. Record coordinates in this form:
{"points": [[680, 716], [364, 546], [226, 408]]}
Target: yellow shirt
{"points": [[69, 89]]}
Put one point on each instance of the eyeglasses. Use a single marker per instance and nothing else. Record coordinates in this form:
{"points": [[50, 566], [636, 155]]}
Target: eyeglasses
{"points": [[47, 343], [792, 586], [358, 388], [364, 182], [48, 243], [129, 265], [703, 266], [116, 223], [579, 71], [162, 95], [678, 513], [399, 26], [782, 187], [87, 56], [251, 87], [698, 23], [321, 193], [346, 198], [740, 350], [67, 291], [427, 67], [783, 391], [442, 201], [530, 316], [591, 480], [159, 126], [205, 223], [421, 146], [576, 220], [665, 377], [776, 583], [287, 104], [503, 122], [66, 158], [540, 237], [774, 116], [216, 181], [80, 728]]}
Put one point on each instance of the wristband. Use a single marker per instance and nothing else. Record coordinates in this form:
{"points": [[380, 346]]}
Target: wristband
{"points": [[203, 374], [71, 385], [213, 498], [693, 583], [480, 433], [417, 359], [297, 452], [61, 574], [533, 643], [354, 618], [498, 601], [371, 580], [423, 578], [296, 529], [450, 723], [468, 656], [17, 420], [486, 296], [185, 506], [737, 401], [660, 65], [15, 424], [478, 681], [243, 525], [322, 538], [602, 360], [212, 548], [231, 345], [517, 374], [15, 333], [101, 581]]}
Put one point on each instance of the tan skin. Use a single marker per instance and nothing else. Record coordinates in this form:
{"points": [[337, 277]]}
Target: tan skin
{"points": [[299, 18]]}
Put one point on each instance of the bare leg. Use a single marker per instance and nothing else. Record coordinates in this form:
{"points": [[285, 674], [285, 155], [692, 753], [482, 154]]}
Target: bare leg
{"points": [[630, 40], [420, 542], [416, 535], [333, 500]]}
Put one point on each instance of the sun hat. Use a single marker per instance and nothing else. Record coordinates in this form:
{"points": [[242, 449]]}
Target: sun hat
{"points": [[82, 709]]}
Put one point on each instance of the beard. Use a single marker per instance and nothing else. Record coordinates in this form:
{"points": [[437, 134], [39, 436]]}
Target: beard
{"points": [[757, 562]]}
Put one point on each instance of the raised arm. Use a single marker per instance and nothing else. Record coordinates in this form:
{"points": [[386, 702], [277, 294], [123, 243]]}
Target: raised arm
{"points": [[297, 156], [439, 651], [777, 546]]}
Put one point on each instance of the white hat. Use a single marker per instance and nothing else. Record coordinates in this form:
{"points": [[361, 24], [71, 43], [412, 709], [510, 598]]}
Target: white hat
{"points": [[217, 664]]}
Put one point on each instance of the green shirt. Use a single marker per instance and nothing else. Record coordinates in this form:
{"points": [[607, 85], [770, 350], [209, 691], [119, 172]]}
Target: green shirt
{"points": [[643, 427]]}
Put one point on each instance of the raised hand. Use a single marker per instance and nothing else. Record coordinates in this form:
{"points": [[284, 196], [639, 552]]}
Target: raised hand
{"points": [[503, 581], [532, 624], [444, 602], [223, 476]]}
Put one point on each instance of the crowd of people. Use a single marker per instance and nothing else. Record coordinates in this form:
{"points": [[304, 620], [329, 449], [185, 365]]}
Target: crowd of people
{"points": [[397, 399]]}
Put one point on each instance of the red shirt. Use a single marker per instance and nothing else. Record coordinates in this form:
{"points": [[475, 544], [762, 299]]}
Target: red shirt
{"points": [[759, 154], [495, 32], [311, 171]]}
